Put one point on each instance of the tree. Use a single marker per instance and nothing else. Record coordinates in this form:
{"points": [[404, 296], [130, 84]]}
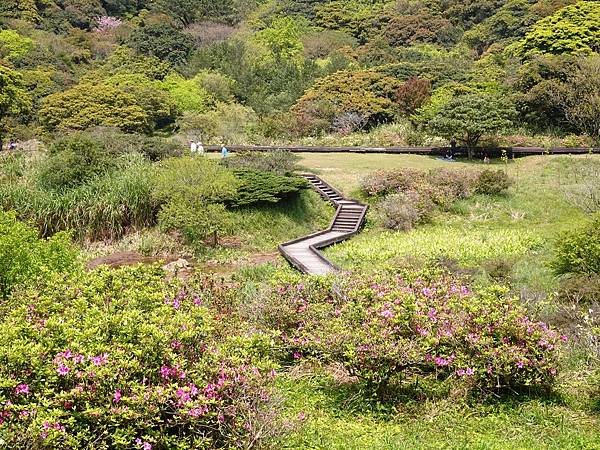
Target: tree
{"points": [[367, 93], [571, 30], [163, 41], [88, 105], [13, 45], [469, 117], [14, 99], [413, 94], [189, 11]]}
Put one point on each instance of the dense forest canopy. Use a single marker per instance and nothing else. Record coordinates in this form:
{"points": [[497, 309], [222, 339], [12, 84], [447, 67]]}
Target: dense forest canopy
{"points": [[259, 70]]}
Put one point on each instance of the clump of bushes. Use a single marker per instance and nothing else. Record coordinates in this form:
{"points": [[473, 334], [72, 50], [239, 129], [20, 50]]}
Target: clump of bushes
{"points": [[386, 330], [279, 162], [578, 251], [265, 187], [127, 360], [410, 196], [492, 182], [24, 257]]}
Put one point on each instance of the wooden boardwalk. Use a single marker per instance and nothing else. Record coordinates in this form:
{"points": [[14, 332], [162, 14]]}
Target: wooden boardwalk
{"points": [[303, 253]]}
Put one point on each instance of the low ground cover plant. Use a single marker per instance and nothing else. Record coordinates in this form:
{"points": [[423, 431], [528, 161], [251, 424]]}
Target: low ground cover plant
{"points": [[389, 329], [467, 247], [124, 359]]}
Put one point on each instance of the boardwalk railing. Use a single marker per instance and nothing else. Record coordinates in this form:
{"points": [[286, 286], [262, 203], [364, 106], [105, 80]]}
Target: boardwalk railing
{"points": [[434, 151], [303, 253]]}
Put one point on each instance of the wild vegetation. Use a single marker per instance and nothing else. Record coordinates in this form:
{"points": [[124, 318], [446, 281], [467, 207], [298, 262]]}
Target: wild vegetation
{"points": [[254, 71], [466, 312]]}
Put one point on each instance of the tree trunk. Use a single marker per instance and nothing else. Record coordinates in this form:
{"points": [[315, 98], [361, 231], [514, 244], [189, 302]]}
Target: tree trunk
{"points": [[215, 239]]}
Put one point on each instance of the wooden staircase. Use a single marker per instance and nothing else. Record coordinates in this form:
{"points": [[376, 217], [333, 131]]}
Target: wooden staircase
{"points": [[303, 253]]}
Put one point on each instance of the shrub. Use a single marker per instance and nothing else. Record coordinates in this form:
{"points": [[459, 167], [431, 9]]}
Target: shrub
{"points": [[24, 257], [492, 182], [388, 181], [401, 212], [265, 187], [74, 160], [123, 359], [578, 251], [580, 289], [429, 328], [280, 162]]}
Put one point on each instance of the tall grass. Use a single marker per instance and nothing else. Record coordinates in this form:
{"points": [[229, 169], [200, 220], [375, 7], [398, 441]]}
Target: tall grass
{"points": [[104, 208]]}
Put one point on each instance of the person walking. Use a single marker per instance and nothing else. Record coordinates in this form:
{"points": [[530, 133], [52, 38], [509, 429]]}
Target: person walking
{"points": [[200, 148], [193, 147], [224, 151]]}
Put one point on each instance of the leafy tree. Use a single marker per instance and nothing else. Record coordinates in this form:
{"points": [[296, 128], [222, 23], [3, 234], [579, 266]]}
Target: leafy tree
{"points": [[571, 30], [469, 117], [412, 95], [282, 39], [189, 11], [189, 95], [193, 191], [228, 121], [163, 41], [88, 105], [13, 97], [369, 94], [424, 27], [13, 45], [360, 18]]}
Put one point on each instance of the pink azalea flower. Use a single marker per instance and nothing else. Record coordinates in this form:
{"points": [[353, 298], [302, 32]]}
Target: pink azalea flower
{"points": [[197, 301], [469, 371], [297, 355], [117, 396], [460, 372], [387, 314], [22, 389], [62, 369]]}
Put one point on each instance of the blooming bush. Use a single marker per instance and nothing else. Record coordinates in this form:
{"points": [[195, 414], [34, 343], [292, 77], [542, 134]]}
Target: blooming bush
{"points": [[386, 328], [124, 359]]}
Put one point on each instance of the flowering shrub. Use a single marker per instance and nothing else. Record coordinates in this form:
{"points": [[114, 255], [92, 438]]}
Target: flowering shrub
{"points": [[384, 328], [123, 359]]}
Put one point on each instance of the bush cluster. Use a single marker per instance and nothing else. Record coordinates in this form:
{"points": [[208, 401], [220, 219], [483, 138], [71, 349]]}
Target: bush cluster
{"points": [[24, 257], [411, 196], [126, 360], [578, 250], [386, 329], [280, 162]]}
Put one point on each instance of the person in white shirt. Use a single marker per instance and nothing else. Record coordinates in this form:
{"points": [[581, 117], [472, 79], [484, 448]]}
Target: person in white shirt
{"points": [[200, 148], [193, 147]]}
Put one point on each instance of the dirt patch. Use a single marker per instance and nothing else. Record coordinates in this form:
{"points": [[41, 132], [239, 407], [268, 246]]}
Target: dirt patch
{"points": [[121, 259]]}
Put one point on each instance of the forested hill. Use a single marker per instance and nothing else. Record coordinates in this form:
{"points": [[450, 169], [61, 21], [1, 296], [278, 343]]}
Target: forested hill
{"points": [[258, 70]]}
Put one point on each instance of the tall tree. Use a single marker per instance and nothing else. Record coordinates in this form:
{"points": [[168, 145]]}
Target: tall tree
{"points": [[14, 99]]}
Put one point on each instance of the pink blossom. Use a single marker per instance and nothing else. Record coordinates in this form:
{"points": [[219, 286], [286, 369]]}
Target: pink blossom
{"points": [[552, 371], [117, 396], [520, 364], [100, 360], [460, 372], [301, 415], [176, 303], [176, 344], [197, 301], [297, 355], [62, 369], [564, 338], [22, 389], [469, 371], [387, 314]]}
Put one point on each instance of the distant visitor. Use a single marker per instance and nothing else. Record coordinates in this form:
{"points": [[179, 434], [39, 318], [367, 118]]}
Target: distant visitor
{"points": [[224, 151]]}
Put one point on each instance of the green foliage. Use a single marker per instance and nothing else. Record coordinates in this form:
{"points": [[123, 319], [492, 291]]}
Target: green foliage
{"points": [[265, 187], [193, 179], [469, 117], [571, 30], [431, 329], [163, 41], [196, 221], [189, 95], [358, 18], [89, 105], [282, 39], [492, 182], [578, 251], [366, 93], [231, 122], [24, 258], [14, 99], [127, 360], [280, 162], [189, 11], [73, 161], [13, 45]]}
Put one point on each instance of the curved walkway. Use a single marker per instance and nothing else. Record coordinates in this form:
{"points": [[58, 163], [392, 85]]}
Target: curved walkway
{"points": [[303, 253]]}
